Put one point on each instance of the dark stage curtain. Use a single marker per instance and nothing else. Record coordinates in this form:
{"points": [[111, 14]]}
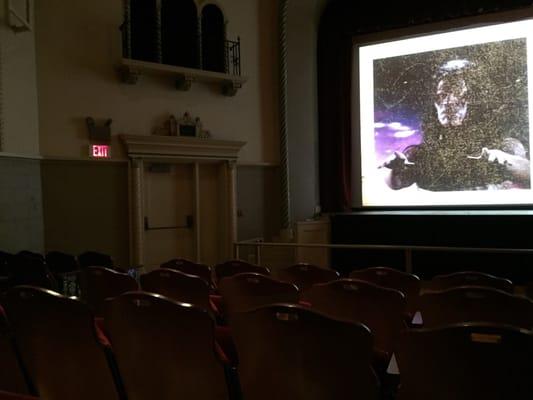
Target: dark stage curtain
{"points": [[341, 21]]}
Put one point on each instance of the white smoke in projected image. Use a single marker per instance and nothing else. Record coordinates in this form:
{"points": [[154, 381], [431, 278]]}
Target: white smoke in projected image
{"points": [[445, 118]]}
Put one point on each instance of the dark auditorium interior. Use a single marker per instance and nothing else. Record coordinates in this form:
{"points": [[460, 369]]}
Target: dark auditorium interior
{"points": [[196, 200]]}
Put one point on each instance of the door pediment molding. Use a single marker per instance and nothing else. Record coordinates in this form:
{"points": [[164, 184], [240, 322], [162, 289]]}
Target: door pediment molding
{"points": [[176, 147]]}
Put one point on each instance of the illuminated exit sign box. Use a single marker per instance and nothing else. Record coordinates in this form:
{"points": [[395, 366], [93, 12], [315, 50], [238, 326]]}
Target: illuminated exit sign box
{"points": [[100, 151]]}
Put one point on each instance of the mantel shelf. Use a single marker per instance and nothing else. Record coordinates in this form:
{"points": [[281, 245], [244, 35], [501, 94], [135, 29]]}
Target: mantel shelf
{"points": [[177, 147], [131, 69]]}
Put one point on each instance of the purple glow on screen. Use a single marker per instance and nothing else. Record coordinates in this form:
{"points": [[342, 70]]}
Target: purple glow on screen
{"points": [[394, 134]]}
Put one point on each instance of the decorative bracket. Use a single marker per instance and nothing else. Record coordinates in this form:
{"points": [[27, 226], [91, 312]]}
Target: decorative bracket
{"points": [[230, 88], [17, 22], [184, 77], [129, 75], [183, 82]]}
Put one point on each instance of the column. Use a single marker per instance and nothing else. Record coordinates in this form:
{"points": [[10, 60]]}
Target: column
{"points": [[232, 205], [137, 235]]}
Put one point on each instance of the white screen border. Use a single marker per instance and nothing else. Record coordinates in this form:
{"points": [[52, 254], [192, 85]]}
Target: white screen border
{"points": [[373, 190]]}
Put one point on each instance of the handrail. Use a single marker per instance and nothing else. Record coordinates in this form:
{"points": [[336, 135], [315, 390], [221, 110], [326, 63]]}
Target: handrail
{"points": [[408, 249]]}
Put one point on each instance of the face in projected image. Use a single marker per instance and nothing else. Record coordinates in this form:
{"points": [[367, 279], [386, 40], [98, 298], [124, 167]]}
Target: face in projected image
{"points": [[460, 152], [451, 102]]}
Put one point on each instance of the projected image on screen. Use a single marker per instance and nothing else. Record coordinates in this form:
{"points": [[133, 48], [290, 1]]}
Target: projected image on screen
{"points": [[448, 126]]}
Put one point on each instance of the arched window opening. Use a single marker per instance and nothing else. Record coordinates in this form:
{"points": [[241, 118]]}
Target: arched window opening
{"points": [[142, 43], [213, 39], [179, 33]]}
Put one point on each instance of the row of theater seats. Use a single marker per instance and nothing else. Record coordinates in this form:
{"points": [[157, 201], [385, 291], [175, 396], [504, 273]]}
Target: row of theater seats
{"points": [[47, 271], [379, 310], [155, 348]]}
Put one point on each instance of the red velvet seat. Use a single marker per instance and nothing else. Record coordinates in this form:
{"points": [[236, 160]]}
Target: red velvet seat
{"points": [[177, 286], [475, 304], [11, 373], [470, 278], [57, 342], [288, 352], [234, 267], [190, 268], [306, 275], [165, 350], [466, 362], [406, 283], [101, 283], [379, 308]]}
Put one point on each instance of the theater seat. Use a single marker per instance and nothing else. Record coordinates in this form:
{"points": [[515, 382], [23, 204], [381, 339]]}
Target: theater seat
{"points": [[379, 308], [246, 291], [287, 352], [470, 278], [58, 346], [475, 304], [466, 362], [234, 267], [408, 284], [178, 286], [189, 267], [15, 396], [101, 283], [11, 371], [164, 349], [306, 275]]}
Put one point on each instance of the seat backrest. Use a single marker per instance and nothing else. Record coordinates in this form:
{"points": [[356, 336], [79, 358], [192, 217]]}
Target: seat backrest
{"points": [[290, 352], [95, 259], [12, 377], [27, 269], [470, 278], [306, 275], [528, 289], [164, 349], [177, 286], [15, 396], [57, 342], [59, 262], [4, 261], [408, 284], [102, 283], [475, 304], [31, 254], [189, 267], [246, 291], [234, 267], [379, 308], [465, 362]]}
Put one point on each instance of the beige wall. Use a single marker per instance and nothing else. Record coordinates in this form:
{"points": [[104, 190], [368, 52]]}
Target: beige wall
{"points": [[78, 46], [20, 129], [302, 104], [86, 207], [21, 214]]}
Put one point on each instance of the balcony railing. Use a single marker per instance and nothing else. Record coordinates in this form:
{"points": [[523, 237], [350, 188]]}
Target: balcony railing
{"points": [[232, 53]]}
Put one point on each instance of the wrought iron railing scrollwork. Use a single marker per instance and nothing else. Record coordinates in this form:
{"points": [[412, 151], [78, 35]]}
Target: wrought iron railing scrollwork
{"points": [[232, 53]]}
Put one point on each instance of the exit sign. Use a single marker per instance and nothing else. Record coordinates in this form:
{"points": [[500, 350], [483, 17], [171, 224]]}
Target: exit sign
{"points": [[100, 151]]}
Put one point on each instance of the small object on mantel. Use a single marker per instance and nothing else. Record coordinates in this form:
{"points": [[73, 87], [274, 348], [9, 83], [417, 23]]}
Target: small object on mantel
{"points": [[99, 134], [169, 127], [187, 126], [205, 134]]}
